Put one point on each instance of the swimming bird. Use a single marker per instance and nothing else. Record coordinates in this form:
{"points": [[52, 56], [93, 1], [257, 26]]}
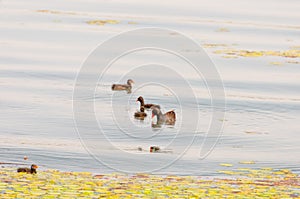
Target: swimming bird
{"points": [[167, 118], [122, 87], [31, 170], [141, 114], [154, 149], [147, 106]]}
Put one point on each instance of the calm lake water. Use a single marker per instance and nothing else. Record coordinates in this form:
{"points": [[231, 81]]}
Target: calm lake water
{"points": [[43, 46]]}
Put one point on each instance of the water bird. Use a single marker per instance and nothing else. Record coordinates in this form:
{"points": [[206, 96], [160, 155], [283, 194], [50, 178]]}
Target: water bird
{"points": [[154, 149], [147, 106], [31, 170], [141, 114], [122, 87], [167, 118]]}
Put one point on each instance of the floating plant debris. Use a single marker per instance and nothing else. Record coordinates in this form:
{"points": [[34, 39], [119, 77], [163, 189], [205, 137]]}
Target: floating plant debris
{"points": [[276, 63], [57, 12], [102, 22], [132, 22], [91, 22], [292, 53], [247, 162], [222, 30], [226, 165], [213, 45]]}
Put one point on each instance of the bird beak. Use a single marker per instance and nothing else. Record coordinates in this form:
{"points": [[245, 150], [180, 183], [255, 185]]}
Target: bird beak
{"points": [[36, 167]]}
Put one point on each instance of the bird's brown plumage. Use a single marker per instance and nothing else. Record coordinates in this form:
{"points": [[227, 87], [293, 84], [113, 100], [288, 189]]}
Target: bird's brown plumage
{"points": [[167, 118], [147, 106], [121, 87], [141, 114], [31, 170]]}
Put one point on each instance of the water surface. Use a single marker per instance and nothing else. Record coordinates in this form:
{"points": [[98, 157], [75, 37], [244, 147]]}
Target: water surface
{"points": [[41, 54]]}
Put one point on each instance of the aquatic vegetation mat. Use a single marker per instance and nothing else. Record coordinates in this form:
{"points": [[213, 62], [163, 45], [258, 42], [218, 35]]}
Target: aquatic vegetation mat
{"points": [[232, 53], [239, 183], [227, 52]]}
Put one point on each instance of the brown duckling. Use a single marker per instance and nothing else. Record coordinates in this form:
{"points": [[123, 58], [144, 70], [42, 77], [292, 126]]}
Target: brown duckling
{"points": [[122, 87], [141, 114], [154, 149], [147, 106], [31, 170], [167, 118]]}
